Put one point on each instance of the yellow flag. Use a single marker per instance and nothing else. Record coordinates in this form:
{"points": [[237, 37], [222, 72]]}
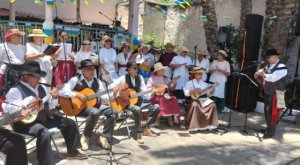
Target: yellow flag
{"points": [[12, 1], [86, 3], [101, 1]]}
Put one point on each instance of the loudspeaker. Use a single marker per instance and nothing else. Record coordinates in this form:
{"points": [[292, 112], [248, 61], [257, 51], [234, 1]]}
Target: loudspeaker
{"points": [[297, 30], [241, 93], [251, 44]]}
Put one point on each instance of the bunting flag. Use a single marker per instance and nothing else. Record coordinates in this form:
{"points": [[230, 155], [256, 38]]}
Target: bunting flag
{"points": [[86, 3], [272, 19], [203, 18], [39, 2], [50, 4], [101, 1], [12, 1], [11, 25], [28, 27], [182, 16], [74, 2]]}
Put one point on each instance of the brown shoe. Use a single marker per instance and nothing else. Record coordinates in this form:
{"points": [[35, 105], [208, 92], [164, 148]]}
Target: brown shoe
{"points": [[76, 155], [103, 142], [139, 138], [170, 121], [147, 132]]}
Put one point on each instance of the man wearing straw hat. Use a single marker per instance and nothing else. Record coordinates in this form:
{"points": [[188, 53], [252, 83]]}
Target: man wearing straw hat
{"points": [[181, 64], [35, 52], [202, 62], [12, 53]]}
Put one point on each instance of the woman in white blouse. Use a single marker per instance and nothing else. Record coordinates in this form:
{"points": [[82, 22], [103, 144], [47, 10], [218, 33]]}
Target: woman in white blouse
{"points": [[123, 58], [220, 69], [108, 60], [35, 49], [181, 63], [203, 63]]}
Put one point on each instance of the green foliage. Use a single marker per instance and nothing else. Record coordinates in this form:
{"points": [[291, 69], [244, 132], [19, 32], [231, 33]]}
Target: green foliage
{"points": [[234, 44], [151, 40]]}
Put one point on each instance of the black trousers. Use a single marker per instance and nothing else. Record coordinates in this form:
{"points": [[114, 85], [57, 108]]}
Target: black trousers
{"points": [[39, 129], [268, 113], [13, 145], [153, 111], [93, 114]]}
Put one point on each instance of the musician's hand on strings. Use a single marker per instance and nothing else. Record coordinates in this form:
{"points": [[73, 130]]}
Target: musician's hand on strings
{"points": [[25, 112], [81, 97]]}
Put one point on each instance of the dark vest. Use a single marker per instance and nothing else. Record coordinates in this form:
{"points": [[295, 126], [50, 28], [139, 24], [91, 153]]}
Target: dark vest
{"points": [[137, 86], [271, 87], [42, 115], [80, 85]]}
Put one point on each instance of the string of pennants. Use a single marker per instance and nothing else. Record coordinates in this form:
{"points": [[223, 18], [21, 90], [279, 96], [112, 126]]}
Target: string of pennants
{"points": [[51, 3]]}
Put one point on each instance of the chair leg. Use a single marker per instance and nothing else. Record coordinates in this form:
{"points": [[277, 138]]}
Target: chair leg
{"points": [[56, 148], [128, 130]]}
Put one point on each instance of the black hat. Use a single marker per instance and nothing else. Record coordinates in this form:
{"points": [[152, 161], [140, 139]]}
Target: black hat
{"points": [[86, 63], [131, 64], [271, 52], [33, 68]]}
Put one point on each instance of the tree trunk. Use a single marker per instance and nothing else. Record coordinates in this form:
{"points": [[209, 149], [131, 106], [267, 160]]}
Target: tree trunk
{"points": [[210, 27], [280, 35], [246, 8]]}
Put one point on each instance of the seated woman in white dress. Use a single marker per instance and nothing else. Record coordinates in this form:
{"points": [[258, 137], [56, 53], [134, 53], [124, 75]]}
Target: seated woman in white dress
{"points": [[168, 104], [202, 112]]}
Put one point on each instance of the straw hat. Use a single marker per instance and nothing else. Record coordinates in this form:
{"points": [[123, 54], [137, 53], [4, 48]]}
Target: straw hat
{"points": [[196, 70], [158, 66], [202, 52], [144, 46], [37, 33], [86, 42], [105, 38], [11, 32], [183, 49], [169, 44], [222, 52]]}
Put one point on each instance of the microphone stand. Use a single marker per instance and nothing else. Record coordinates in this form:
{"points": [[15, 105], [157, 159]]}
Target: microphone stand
{"points": [[113, 21], [111, 154], [195, 55]]}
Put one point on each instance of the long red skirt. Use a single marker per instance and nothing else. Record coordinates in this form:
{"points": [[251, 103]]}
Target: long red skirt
{"points": [[64, 71], [167, 107]]}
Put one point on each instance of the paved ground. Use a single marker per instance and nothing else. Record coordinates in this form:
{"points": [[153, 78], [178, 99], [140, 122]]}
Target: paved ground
{"points": [[175, 145]]}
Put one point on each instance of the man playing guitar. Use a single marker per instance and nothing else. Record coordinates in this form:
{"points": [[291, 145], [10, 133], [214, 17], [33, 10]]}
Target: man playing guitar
{"points": [[137, 83], [87, 80], [274, 78], [29, 87]]}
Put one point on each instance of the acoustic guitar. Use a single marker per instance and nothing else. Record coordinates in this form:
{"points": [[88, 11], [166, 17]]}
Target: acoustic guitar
{"points": [[162, 88], [73, 106], [202, 92], [128, 97], [34, 108]]}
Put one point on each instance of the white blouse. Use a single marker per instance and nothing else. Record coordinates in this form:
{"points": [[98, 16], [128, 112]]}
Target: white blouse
{"points": [[16, 54], [194, 84], [203, 64], [109, 58], [181, 71]]}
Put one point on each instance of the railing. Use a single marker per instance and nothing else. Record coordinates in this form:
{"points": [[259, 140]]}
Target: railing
{"points": [[76, 33]]}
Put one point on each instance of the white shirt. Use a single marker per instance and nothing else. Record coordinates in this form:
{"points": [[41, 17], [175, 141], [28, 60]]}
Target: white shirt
{"points": [[67, 90], [277, 74], [122, 80], [123, 61], [109, 58], [45, 62], [182, 70], [140, 58], [194, 84], [66, 49], [16, 55], [204, 64], [218, 76], [80, 56], [14, 96]]}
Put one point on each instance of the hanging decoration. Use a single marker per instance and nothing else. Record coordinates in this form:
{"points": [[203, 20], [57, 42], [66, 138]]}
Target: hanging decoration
{"points": [[86, 2], [12, 1], [272, 19], [74, 2], [182, 3], [101, 1], [39, 2], [11, 25], [183, 17], [203, 18], [50, 4], [28, 27]]}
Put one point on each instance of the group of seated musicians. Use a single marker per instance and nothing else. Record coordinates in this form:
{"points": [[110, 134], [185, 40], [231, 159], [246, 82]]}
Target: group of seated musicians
{"points": [[29, 88]]}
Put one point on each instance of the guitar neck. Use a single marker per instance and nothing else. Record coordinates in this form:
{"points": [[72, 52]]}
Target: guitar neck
{"points": [[140, 94], [9, 118], [98, 94]]}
